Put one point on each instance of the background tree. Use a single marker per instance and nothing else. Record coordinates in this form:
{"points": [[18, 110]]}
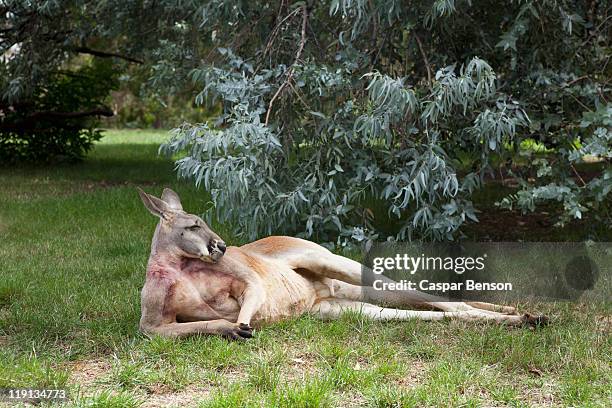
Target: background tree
{"points": [[59, 60], [334, 110], [48, 97], [338, 115]]}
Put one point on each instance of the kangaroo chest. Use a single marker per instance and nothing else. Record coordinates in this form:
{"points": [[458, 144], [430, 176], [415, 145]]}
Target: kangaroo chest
{"points": [[204, 293]]}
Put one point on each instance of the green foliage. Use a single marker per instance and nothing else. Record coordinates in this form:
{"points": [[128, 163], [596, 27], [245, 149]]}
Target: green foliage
{"points": [[339, 116], [145, 111], [565, 184], [334, 111], [49, 91], [51, 125]]}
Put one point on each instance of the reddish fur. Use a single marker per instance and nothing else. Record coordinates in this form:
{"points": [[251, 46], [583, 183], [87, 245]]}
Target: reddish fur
{"points": [[168, 308], [191, 266], [161, 268]]}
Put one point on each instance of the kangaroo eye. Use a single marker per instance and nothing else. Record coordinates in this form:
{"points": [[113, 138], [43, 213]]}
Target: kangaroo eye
{"points": [[194, 228]]}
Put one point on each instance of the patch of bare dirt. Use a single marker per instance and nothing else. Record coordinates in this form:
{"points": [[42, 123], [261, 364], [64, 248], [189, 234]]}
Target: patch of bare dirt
{"points": [[414, 375], [87, 373], [604, 323], [301, 366], [188, 397], [541, 397], [351, 399]]}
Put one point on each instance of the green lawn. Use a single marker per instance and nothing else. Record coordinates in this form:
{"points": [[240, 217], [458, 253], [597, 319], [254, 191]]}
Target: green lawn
{"points": [[74, 242]]}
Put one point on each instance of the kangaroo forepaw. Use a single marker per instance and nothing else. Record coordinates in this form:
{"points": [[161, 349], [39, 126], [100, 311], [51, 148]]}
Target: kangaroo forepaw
{"points": [[239, 332], [246, 327]]}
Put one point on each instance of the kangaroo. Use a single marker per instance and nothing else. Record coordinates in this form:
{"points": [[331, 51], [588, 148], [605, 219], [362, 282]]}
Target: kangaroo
{"points": [[195, 284]]}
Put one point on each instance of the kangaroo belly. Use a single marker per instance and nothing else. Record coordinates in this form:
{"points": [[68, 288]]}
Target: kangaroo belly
{"points": [[211, 292], [288, 293]]}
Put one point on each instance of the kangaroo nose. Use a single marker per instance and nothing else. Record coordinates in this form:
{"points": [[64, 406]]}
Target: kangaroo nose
{"points": [[221, 246]]}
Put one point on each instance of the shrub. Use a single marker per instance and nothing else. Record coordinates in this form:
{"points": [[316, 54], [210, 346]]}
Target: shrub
{"points": [[57, 122]]}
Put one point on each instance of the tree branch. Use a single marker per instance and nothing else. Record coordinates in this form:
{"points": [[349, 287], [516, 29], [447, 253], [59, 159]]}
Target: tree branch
{"points": [[275, 32], [103, 54], [578, 175], [291, 69], [72, 115], [425, 59]]}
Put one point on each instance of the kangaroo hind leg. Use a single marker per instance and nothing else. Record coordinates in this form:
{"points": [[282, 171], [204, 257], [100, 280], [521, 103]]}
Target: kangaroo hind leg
{"points": [[334, 308]]}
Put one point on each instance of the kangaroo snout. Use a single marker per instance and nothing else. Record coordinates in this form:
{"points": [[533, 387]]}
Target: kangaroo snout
{"points": [[216, 249]]}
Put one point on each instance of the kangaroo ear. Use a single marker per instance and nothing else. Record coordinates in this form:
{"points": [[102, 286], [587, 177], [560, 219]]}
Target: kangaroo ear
{"points": [[172, 199], [155, 205]]}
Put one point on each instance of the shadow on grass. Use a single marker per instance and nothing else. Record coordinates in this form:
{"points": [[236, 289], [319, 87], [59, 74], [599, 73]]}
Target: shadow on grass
{"points": [[119, 162], [107, 166]]}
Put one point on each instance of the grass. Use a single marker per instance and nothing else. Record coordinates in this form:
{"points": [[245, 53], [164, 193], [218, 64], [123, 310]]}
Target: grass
{"points": [[74, 242]]}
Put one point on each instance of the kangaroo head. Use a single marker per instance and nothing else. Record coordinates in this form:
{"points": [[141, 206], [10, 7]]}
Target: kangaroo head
{"points": [[180, 233]]}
